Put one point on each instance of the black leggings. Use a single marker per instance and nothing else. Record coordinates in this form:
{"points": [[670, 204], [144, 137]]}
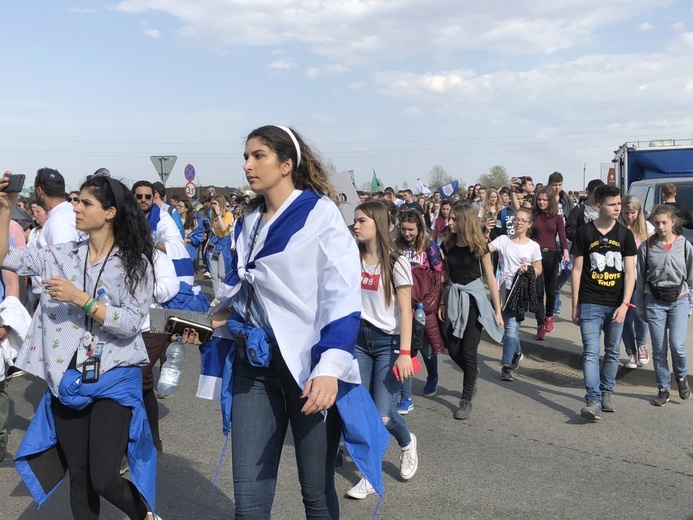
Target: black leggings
{"points": [[94, 441], [546, 284], [463, 351]]}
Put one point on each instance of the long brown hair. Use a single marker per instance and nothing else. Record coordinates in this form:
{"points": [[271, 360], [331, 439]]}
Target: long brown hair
{"points": [[413, 217], [388, 254], [551, 208], [467, 225], [190, 219], [668, 210], [311, 174]]}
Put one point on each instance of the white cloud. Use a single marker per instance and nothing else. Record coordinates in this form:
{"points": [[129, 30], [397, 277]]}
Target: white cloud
{"points": [[356, 31], [81, 10], [152, 33], [327, 70], [647, 26], [678, 26], [281, 65], [356, 85]]}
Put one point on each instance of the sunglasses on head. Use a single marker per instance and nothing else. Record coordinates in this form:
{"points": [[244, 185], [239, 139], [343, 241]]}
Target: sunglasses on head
{"points": [[140, 196]]}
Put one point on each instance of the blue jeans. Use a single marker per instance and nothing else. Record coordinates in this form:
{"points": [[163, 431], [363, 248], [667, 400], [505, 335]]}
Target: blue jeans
{"points": [[375, 352], [668, 319], [265, 401], [634, 330], [511, 339], [593, 320]]}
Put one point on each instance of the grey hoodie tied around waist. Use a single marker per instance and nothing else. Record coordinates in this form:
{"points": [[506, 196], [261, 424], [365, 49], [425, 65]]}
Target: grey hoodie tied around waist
{"points": [[458, 309]]}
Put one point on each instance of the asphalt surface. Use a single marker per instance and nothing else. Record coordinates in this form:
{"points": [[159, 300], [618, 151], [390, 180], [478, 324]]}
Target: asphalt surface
{"points": [[525, 453]]}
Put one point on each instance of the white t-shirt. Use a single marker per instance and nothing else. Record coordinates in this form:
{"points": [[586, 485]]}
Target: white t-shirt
{"points": [[373, 295], [60, 226], [513, 255]]}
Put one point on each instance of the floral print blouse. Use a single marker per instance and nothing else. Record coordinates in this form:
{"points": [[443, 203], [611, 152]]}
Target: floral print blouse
{"points": [[58, 329]]}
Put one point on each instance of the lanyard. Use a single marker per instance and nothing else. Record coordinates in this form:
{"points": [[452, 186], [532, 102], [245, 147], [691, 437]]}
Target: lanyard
{"points": [[251, 289], [89, 321]]}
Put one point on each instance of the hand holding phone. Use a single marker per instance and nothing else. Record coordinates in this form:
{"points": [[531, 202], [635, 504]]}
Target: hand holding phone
{"points": [[415, 365]]}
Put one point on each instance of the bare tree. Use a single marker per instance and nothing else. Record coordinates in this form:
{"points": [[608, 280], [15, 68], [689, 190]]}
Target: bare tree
{"points": [[496, 177], [438, 177]]}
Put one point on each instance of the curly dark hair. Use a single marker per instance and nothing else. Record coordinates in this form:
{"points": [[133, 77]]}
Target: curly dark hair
{"points": [[130, 228]]}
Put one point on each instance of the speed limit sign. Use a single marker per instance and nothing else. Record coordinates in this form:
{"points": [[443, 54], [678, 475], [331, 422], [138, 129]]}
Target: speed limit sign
{"points": [[190, 190]]}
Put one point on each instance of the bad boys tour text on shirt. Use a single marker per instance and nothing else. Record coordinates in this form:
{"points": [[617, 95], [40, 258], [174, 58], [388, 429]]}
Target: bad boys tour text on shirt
{"points": [[605, 268]]}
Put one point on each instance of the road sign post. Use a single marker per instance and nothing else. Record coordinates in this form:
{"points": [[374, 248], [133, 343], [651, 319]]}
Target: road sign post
{"points": [[164, 165]]}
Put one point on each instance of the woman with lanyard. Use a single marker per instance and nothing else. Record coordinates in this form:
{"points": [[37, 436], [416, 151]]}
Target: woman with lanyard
{"points": [[665, 299], [294, 329], [635, 331], [548, 231], [517, 253], [464, 308], [89, 353], [423, 255], [220, 244]]}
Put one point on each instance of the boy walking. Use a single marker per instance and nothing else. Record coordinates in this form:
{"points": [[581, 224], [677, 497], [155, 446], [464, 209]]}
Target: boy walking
{"points": [[603, 280]]}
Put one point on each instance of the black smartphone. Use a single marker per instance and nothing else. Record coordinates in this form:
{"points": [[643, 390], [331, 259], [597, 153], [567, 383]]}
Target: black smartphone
{"points": [[178, 325], [16, 183]]}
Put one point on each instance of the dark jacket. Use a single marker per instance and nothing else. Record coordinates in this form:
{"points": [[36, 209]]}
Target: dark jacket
{"points": [[576, 218], [523, 294]]}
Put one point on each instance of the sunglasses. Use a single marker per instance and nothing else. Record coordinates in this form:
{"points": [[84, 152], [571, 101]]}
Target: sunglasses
{"points": [[140, 196], [603, 241], [73, 199]]}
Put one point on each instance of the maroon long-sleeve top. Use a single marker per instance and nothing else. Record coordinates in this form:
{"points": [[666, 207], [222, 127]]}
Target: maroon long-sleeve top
{"points": [[546, 229]]}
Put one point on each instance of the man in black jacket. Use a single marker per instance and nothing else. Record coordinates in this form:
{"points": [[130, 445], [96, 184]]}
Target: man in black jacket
{"points": [[583, 213]]}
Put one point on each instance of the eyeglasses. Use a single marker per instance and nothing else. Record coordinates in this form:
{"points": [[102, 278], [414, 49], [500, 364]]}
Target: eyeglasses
{"points": [[520, 221], [73, 199], [140, 196]]}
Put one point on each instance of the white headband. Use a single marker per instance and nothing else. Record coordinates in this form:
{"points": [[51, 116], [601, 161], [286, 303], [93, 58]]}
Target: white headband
{"points": [[293, 138]]}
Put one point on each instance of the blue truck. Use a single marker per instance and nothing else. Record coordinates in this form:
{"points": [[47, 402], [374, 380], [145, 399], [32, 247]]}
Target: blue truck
{"points": [[641, 169]]}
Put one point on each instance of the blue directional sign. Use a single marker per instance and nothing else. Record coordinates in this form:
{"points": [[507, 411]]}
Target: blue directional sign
{"points": [[189, 173]]}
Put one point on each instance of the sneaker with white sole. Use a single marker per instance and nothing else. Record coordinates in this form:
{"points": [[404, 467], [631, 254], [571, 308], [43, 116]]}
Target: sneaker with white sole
{"points": [[632, 361], [409, 460], [361, 490], [643, 356]]}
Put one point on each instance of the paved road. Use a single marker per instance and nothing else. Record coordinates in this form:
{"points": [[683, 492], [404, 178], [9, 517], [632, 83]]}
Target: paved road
{"points": [[524, 454]]}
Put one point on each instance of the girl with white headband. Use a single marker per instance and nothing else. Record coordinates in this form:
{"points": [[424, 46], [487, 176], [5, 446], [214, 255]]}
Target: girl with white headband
{"points": [[291, 304]]}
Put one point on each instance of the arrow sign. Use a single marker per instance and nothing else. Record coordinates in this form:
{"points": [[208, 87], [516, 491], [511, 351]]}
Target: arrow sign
{"points": [[164, 165]]}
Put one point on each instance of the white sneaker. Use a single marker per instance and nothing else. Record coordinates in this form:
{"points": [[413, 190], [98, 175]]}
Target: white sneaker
{"points": [[361, 490], [632, 361], [207, 275], [409, 460]]}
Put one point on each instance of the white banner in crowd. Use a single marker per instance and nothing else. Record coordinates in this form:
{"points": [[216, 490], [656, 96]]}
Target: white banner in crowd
{"points": [[347, 195]]}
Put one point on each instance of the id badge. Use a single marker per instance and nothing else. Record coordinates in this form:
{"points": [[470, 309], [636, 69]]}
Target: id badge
{"points": [[90, 370]]}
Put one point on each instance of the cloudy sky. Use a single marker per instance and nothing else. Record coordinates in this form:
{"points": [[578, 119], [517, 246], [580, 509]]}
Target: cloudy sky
{"points": [[395, 85]]}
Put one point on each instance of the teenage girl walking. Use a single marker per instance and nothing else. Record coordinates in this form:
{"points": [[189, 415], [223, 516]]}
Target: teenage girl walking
{"points": [[384, 339]]}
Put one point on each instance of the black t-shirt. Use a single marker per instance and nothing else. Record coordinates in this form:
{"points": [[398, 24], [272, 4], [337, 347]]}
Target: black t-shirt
{"points": [[463, 267], [603, 268]]}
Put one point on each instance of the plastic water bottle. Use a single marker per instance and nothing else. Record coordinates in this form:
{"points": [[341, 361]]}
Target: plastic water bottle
{"points": [[103, 297], [170, 371], [420, 315], [567, 265]]}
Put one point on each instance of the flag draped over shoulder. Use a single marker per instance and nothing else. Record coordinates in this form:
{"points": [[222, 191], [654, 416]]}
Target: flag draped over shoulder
{"points": [[449, 189], [314, 317]]}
